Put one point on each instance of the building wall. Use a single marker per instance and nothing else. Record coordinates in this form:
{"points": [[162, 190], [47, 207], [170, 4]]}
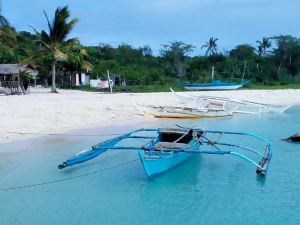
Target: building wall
{"points": [[80, 79]]}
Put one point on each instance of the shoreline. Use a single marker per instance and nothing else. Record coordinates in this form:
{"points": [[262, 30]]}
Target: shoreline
{"points": [[71, 110], [71, 131]]}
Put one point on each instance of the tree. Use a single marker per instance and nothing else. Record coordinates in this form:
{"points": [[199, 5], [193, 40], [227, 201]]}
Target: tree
{"points": [[78, 61], [127, 54], [242, 52], [55, 42], [263, 46], [211, 46], [286, 53], [175, 55], [25, 78], [146, 50]]}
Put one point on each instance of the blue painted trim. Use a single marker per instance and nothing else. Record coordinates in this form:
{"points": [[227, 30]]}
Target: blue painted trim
{"points": [[217, 83]]}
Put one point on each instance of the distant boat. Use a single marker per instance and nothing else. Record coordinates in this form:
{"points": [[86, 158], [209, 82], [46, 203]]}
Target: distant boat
{"points": [[216, 84], [178, 112], [164, 148]]}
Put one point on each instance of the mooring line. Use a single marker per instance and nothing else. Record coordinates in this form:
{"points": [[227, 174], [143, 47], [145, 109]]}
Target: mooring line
{"points": [[68, 178], [59, 134]]}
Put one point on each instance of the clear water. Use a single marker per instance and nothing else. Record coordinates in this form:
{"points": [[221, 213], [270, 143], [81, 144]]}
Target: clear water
{"points": [[204, 190]]}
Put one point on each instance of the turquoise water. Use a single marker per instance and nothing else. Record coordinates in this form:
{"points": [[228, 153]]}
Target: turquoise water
{"points": [[204, 190]]}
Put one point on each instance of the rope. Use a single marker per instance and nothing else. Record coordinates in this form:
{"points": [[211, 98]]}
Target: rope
{"points": [[68, 178], [58, 134], [212, 143]]}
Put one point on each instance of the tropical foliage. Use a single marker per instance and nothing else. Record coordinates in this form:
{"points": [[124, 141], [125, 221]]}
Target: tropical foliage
{"points": [[273, 61], [211, 46], [54, 43], [263, 46], [175, 57]]}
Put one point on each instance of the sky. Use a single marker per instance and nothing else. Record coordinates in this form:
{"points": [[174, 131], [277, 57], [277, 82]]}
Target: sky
{"points": [[158, 22]]}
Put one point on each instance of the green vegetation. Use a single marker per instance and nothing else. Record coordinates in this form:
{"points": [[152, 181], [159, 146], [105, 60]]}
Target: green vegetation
{"points": [[274, 63], [55, 44]]}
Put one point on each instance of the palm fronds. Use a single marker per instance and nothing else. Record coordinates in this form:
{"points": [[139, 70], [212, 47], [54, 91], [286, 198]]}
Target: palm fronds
{"points": [[211, 46]]}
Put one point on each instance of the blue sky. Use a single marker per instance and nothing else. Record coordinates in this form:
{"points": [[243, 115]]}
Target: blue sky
{"points": [[157, 22]]}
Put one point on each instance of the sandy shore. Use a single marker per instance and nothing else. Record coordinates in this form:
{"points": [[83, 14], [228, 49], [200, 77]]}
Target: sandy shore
{"points": [[42, 111]]}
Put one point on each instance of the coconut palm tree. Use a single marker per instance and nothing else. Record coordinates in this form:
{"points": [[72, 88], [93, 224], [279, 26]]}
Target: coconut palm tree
{"points": [[82, 58], [78, 60], [263, 46], [55, 42], [211, 46]]}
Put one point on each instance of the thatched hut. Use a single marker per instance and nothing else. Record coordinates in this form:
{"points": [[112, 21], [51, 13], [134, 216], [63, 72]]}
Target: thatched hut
{"points": [[9, 76]]}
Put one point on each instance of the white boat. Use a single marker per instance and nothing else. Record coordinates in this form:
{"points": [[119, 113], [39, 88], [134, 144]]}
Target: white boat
{"points": [[181, 112], [228, 104]]}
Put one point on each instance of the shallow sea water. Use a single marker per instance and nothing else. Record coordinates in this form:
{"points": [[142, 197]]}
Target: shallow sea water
{"points": [[205, 189]]}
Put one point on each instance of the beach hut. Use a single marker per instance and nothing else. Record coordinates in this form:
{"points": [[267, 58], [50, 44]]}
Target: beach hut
{"points": [[10, 81]]}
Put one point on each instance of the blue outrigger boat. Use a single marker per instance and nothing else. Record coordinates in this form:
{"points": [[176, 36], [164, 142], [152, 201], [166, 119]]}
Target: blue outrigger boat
{"points": [[167, 147], [215, 85]]}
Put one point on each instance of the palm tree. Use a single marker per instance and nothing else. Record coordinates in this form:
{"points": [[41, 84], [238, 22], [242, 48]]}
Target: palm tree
{"points": [[55, 42], [263, 46], [211, 46], [78, 60], [82, 58]]}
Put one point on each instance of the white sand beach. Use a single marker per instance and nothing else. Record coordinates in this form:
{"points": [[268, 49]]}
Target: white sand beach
{"points": [[44, 112]]}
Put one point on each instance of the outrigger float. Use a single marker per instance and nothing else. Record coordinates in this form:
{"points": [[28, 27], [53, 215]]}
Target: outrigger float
{"points": [[167, 147]]}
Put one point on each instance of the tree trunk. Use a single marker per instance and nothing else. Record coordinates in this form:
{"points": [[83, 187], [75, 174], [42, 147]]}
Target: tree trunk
{"points": [[53, 90], [278, 71], [46, 82], [244, 70]]}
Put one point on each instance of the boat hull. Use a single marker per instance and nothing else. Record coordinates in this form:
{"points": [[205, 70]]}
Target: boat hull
{"points": [[155, 166], [181, 112], [215, 85], [200, 88]]}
